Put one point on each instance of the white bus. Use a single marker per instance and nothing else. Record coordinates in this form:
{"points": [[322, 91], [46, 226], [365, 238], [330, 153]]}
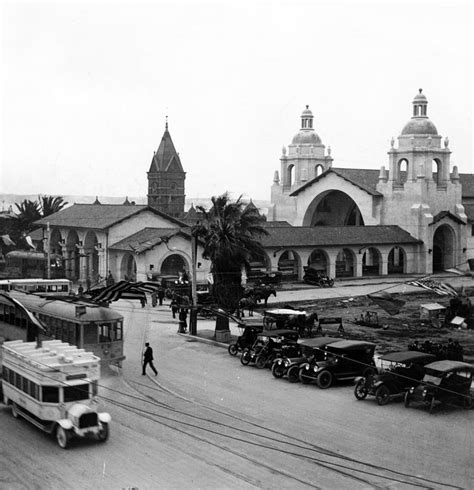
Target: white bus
{"points": [[55, 388], [54, 286]]}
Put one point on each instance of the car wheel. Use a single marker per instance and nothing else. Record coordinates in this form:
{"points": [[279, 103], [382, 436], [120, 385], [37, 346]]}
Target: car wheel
{"points": [[432, 404], [261, 362], [360, 390], [293, 375], [278, 370], [303, 378], [103, 433], [467, 401], [324, 379], [245, 357], [407, 399], [382, 395], [15, 411], [233, 349], [63, 437]]}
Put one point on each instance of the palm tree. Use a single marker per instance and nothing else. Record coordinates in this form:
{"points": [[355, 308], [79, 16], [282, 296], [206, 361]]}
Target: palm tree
{"points": [[230, 232], [28, 213], [50, 204]]}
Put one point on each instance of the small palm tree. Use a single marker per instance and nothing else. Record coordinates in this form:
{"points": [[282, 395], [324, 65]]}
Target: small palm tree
{"points": [[230, 232]]}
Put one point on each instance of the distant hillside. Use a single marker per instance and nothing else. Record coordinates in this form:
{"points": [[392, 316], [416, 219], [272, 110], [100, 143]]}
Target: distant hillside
{"points": [[7, 200]]}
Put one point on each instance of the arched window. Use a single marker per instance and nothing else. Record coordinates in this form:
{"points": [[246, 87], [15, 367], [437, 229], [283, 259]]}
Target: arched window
{"points": [[436, 170], [402, 170], [318, 170]]}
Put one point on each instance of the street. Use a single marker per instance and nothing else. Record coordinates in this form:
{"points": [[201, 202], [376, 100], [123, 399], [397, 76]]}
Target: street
{"points": [[206, 421]]}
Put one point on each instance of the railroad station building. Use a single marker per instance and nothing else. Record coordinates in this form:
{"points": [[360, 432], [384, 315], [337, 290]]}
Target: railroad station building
{"points": [[414, 215]]}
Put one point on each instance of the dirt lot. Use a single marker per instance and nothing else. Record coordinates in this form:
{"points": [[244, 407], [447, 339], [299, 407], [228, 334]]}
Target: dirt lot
{"points": [[395, 332]]}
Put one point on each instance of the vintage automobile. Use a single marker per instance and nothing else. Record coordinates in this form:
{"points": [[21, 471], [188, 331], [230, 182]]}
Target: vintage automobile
{"points": [[444, 382], [248, 337], [268, 345], [399, 372], [311, 350], [343, 360]]}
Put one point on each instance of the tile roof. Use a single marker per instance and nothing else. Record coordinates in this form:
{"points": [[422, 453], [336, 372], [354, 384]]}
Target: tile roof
{"points": [[315, 236], [98, 216], [447, 214], [365, 179], [148, 238], [275, 224]]}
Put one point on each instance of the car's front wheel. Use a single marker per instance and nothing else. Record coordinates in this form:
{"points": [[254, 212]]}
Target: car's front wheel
{"points": [[324, 379], [278, 370], [407, 399], [103, 433], [245, 357], [63, 437], [467, 401], [293, 374], [360, 390], [233, 349], [382, 395], [261, 362]]}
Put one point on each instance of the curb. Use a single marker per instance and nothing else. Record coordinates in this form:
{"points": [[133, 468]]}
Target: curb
{"points": [[195, 338]]}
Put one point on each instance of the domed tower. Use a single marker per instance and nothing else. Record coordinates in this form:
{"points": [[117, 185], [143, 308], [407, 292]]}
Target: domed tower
{"points": [[306, 155], [166, 179], [419, 154]]}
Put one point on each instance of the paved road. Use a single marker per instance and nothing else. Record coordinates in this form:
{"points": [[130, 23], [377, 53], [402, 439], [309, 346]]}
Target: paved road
{"points": [[206, 421]]}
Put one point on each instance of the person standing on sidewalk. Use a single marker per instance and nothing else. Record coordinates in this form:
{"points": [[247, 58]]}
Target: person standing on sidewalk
{"points": [[148, 359]]}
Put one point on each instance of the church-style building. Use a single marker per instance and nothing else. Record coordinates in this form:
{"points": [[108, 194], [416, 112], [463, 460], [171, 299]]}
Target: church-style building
{"points": [[413, 216]]}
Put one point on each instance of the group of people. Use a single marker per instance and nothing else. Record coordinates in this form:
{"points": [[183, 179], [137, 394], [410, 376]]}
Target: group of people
{"points": [[453, 350], [179, 306]]}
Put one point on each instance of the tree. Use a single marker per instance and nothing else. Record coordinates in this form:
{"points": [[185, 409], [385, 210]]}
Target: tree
{"points": [[50, 204], [231, 233]]}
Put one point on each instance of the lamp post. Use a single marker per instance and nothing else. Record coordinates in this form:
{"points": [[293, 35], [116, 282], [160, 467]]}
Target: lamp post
{"points": [[48, 251], [193, 315]]}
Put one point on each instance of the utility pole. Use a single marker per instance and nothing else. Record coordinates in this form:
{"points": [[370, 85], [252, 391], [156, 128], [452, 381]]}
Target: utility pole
{"points": [[48, 251], [193, 316]]}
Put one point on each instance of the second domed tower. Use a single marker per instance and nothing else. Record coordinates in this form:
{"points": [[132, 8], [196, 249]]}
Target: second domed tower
{"points": [[307, 157]]}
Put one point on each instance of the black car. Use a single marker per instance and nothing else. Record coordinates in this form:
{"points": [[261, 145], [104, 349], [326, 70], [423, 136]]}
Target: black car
{"points": [[310, 350], [247, 338], [399, 372], [343, 360], [447, 382]]}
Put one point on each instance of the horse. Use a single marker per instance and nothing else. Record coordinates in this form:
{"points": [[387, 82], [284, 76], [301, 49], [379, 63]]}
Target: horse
{"points": [[261, 293], [248, 303]]}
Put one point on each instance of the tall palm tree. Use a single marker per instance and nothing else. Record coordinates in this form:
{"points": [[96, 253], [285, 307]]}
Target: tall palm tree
{"points": [[230, 232], [50, 204], [28, 213]]}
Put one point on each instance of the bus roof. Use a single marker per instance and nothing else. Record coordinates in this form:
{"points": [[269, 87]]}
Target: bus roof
{"points": [[34, 281], [51, 355]]}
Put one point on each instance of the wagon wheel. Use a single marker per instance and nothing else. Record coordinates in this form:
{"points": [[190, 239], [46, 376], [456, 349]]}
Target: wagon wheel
{"points": [[293, 374], [63, 437], [382, 395], [324, 379], [360, 390], [245, 357], [233, 349], [278, 370]]}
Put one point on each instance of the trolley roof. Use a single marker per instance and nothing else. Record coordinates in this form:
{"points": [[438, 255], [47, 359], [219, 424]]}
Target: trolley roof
{"points": [[52, 355]]}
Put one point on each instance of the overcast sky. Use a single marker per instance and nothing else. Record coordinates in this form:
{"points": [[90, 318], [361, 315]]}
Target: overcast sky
{"points": [[87, 86]]}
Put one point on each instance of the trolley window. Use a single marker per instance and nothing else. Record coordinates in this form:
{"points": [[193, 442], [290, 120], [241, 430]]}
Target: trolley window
{"points": [[90, 333], [76, 393], [50, 394]]}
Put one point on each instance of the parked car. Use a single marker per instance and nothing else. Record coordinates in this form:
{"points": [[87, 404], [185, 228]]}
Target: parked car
{"points": [[311, 350], [343, 360], [268, 345], [444, 382], [399, 372], [248, 337]]}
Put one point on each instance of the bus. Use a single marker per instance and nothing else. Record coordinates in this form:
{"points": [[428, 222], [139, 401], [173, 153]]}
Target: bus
{"points": [[54, 386], [23, 263], [82, 323], [54, 286]]}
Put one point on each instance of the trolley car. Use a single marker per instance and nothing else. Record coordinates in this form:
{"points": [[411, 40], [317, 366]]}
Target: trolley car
{"points": [[95, 328], [54, 386]]}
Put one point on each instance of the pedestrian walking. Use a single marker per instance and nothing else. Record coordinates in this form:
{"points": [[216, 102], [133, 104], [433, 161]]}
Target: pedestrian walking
{"points": [[174, 305], [161, 295], [183, 315], [154, 299], [143, 301], [148, 359], [110, 280]]}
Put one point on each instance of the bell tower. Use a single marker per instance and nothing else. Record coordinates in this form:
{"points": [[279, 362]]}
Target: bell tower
{"points": [[166, 178]]}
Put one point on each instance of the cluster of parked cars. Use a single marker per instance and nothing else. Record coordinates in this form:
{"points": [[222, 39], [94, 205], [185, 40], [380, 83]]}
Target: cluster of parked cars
{"points": [[412, 376]]}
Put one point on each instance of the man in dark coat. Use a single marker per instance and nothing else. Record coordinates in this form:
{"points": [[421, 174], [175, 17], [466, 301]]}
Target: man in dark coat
{"points": [[148, 359]]}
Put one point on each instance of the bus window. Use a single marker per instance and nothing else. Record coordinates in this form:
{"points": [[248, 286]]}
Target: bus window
{"points": [[75, 393], [18, 380], [50, 394], [105, 332], [118, 331], [90, 333]]}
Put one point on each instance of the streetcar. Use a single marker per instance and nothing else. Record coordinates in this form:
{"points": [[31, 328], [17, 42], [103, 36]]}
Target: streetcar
{"points": [[82, 323], [54, 386], [23, 263], [29, 285]]}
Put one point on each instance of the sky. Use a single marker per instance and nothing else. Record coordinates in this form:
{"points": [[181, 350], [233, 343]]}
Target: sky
{"points": [[86, 88]]}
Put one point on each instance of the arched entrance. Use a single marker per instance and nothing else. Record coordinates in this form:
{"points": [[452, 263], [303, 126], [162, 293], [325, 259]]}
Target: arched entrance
{"points": [[443, 248], [396, 261], [319, 261], [258, 266], [173, 265], [371, 262], [288, 264], [333, 208], [345, 261], [128, 268]]}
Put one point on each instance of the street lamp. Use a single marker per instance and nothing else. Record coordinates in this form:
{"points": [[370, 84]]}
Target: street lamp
{"points": [[193, 315]]}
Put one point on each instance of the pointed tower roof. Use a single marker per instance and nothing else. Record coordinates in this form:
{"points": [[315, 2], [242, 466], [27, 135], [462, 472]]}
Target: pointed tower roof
{"points": [[166, 157]]}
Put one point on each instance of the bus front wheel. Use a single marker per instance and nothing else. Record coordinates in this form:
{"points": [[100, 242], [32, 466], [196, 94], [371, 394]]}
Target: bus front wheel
{"points": [[103, 433], [63, 437], [15, 411]]}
